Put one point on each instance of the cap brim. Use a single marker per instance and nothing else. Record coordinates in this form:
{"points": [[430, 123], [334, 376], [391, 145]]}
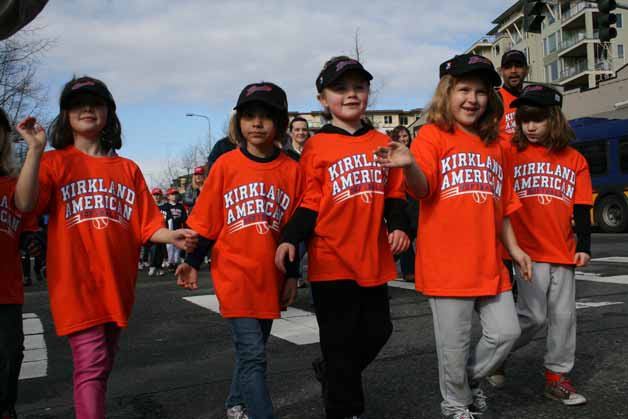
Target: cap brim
{"points": [[528, 101], [256, 100], [493, 77], [65, 103], [346, 70]]}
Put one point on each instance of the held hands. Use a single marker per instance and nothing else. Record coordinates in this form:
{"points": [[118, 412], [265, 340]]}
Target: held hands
{"points": [[581, 259], [33, 133], [289, 293], [187, 276], [284, 250], [185, 239], [399, 242], [524, 263], [394, 155]]}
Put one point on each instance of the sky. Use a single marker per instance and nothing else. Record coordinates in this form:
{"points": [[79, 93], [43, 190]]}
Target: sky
{"points": [[162, 59]]}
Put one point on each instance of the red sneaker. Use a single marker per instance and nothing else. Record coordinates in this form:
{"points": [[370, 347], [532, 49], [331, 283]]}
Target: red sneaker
{"points": [[558, 387]]}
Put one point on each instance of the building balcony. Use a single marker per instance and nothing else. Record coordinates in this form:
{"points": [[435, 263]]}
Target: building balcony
{"points": [[575, 45], [577, 72], [574, 16]]}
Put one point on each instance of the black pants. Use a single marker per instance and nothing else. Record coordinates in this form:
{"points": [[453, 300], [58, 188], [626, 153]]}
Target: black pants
{"points": [[11, 353], [354, 325], [157, 255]]}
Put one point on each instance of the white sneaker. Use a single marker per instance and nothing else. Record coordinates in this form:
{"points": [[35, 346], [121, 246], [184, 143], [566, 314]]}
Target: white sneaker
{"points": [[461, 413], [151, 271], [480, 404], [160, 272], [236, 412]]}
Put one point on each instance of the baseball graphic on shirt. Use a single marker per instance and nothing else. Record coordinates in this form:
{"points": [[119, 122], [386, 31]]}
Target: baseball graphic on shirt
{"points": [[480, 197], [262, 228], [100, 223], [544, 199], [367, 197]]}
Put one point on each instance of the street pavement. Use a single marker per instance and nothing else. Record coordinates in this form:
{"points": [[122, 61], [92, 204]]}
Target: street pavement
{"points": [[176, 357]]}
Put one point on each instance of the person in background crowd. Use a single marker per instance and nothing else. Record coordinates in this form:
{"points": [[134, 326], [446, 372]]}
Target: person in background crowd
{"points": [[198, 179], [176, 220], [401, 134], [299, 133], [514, 70], [157, 251], [223, 145]]}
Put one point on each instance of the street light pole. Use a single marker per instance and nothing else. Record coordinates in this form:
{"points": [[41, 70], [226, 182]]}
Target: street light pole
{"points": [[209, 125]]}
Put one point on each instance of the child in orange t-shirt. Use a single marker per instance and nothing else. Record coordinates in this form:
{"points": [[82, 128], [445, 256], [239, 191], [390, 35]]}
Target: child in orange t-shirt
{"points": [[15, 228], [245, 202], [456, 168], [553, 183], [352, 214], [101, 213]]}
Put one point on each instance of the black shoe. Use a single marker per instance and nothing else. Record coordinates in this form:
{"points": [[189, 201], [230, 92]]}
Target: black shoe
{"points": [[28, 281]]}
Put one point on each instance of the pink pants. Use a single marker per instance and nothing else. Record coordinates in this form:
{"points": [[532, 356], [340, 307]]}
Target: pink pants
{"points": [[93, 352]]}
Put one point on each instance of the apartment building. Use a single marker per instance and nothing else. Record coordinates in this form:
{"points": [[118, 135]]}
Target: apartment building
{"points": [[567, 52], [384, 120]]}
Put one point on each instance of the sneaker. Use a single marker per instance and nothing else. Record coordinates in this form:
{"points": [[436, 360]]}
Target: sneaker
{"points": [[558, 387], [408, 278], [160, 272], [237, 412], [151, 271], [479, 405], [461, 413], [498, 378]]}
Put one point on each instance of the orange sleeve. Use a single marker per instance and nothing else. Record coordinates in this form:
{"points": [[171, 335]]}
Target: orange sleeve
{"points": [[395, 186], [426, 152], [207, 217], [313, 178], [584, 189], [510, 199], [150, 217]]}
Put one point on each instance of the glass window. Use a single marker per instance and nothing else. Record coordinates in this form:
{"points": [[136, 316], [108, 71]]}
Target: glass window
{"points": [[403, 120], [623, 155], [596, 155], [551, 71], [387, 119], [620, 51], [620, 23]]}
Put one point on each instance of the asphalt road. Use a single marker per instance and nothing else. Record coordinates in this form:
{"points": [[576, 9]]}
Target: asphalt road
{"points": [[176, 357]]}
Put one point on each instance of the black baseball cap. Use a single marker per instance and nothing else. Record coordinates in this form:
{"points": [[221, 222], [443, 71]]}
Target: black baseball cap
{"points": [[514, 56], [4, 120], [336, 68], [538, 95], [464, 64], [86, 85], [267, 93]]}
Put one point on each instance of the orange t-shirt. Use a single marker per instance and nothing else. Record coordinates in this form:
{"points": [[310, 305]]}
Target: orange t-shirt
{"points": [[347, 189], [549, 184], [101, 212], [460, 220], [508, 124], [12, 224], [243, 206]]}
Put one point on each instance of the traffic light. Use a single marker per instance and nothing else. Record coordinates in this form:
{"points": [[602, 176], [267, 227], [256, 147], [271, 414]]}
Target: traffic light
{"points": [[606, 19], [533, 15]]}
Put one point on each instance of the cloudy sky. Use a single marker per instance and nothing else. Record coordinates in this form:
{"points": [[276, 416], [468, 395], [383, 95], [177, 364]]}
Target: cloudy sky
{"points": [[164, 58]]}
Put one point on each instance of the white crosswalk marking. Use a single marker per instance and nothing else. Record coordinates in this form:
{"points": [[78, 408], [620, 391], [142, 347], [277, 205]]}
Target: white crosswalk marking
{"points": [[35, 363], [612, 259], [295, 326]]}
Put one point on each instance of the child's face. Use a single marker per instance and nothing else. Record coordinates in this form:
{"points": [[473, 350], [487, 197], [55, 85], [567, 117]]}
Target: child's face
{"points": [[157, 198], [347, 98], [299, 132], [88, 115], [257, 126], [535, 131], [404, 138], [468, 101]]}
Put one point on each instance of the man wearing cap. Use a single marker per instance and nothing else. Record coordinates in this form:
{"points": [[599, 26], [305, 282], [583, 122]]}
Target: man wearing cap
{"points": [[514, 70]]}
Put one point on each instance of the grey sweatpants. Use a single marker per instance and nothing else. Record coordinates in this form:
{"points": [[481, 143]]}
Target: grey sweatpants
{"points": [[549, 300], [457, 362]]}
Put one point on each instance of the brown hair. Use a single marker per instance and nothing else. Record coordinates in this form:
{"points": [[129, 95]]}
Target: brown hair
{"points": [[6, 153], [560, 133], [280, 120], [61, 136], [298, 119], [439, 113], [394, 134]]}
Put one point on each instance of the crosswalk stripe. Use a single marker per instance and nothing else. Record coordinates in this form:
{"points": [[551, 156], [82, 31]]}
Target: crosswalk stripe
{"points": [[35, 363], [612, 259]]}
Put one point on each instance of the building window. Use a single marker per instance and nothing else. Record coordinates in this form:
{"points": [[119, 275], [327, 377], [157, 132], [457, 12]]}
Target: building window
{"points": [[620, 23], [620, 51], [551, 71], [387, 119], [551, 43], [403, 120]]}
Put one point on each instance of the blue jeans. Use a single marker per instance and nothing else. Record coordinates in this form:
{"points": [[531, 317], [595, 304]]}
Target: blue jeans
{"points": [[248, 385]]}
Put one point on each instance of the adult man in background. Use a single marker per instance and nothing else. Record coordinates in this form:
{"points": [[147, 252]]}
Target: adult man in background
{"points": [[514, 70]]}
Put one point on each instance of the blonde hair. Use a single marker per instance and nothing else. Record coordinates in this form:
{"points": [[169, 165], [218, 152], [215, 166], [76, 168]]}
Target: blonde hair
{"points": [[7, 167], [439, 112], [233, 129], [559, 135]]}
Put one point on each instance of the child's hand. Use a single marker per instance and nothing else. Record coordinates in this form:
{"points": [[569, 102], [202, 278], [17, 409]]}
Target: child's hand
{"points": [[289, 293], [185, 239], [581, 259], [524, 263], [394, 155], [187, 276], [399, 242], [33, 133], [284, 250]]}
